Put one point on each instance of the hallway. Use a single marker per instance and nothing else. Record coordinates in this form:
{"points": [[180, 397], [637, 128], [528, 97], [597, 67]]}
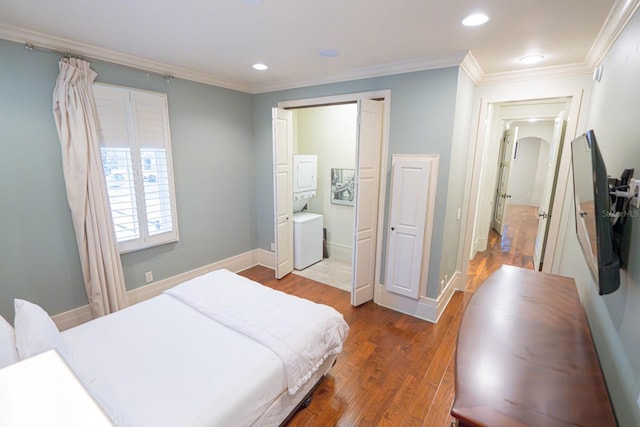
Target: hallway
{"points": [[514, 247]]}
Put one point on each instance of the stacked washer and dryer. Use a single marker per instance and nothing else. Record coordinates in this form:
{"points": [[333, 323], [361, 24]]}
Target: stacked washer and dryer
{"points": [[307, 226]]}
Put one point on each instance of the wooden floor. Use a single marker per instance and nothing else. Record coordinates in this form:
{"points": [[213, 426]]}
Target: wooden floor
{"points": [[397, 370], [514, 246]]}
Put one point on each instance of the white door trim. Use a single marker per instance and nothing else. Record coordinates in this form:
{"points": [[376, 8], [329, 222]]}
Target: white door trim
{"points": [[384, 95], [479, 136]]}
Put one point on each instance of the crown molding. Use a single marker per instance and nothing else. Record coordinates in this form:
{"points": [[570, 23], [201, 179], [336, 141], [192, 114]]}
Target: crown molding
{"points": [[619, 15], [399, 67], [536, 73], [66, 46], [472, 68]]}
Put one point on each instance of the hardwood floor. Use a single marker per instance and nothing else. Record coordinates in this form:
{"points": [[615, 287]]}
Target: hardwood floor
{"points": [[397, 370], [514, 247]]}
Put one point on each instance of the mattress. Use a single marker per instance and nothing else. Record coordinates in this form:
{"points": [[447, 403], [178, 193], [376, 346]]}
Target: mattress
{"points": [[161, 363], [286, 403]]}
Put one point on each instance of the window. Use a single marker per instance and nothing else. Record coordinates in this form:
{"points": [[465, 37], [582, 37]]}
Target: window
{"points": [[133, 128]]}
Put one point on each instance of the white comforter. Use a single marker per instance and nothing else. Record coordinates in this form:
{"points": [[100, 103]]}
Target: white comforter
{"points": [[160, 363], [302, 333]]}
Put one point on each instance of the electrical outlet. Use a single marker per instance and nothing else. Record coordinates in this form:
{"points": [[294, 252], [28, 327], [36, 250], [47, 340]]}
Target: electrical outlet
{"points": [[148, 276], [273, 247]]}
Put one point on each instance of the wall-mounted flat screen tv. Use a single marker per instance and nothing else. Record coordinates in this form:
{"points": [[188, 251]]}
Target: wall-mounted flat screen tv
{"points": [[592, 212]]}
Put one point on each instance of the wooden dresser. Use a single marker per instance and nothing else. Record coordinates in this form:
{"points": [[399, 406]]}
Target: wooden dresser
{"points": [[525, 356]]}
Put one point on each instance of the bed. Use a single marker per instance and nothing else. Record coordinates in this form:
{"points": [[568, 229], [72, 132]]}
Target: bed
{"points": [[218, 350]]}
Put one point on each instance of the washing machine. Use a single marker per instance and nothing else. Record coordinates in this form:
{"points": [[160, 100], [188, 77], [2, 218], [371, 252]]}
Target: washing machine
{"points": [[307, 239]]}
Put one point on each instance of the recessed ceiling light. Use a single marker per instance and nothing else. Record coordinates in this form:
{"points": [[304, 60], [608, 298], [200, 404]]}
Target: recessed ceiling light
{"points": [[475, 20], [328, 53], [260, 67], [531, 59]]}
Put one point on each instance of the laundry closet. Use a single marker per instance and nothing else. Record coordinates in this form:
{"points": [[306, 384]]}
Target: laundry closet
{"points": [[324, 162]]}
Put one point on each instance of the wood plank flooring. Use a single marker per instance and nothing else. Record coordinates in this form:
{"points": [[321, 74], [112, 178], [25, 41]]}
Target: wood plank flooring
{"points": [[514, 247], [396, 370]]}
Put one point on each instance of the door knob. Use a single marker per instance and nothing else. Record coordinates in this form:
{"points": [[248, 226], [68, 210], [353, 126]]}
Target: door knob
{"points": [[393, 228]]}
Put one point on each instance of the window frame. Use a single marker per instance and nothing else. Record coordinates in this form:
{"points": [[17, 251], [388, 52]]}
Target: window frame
{"points": [[144, 240]]}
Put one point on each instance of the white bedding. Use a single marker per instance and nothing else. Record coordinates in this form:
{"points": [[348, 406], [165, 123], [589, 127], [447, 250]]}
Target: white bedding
{"points": [[161, 363], [302, 333]]}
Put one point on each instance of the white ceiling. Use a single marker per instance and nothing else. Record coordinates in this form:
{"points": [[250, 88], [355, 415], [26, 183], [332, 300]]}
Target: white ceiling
{"points": [[217, 41]]}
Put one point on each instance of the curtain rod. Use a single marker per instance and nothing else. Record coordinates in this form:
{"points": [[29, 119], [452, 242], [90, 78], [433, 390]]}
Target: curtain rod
{"points": [[30, 46]]}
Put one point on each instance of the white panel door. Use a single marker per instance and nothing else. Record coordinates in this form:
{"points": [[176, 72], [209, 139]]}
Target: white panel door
{"points": [[504, 171], [411, 183], [282, 122], [369, 142], [544, 209]]}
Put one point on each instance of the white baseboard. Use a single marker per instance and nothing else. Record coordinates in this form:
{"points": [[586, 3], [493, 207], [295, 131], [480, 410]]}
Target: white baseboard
{"points": [[80, 315], [266, 258], [480, 245], [341, 252], [235, 264], [424, 308], [74, 317], [458, 281]]}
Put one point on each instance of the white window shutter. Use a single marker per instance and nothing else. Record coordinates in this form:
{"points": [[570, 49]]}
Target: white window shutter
{"points": [[136, 151]]}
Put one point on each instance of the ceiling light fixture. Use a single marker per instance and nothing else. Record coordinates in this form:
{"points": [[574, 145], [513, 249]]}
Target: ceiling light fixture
{"points": [[475, 20], [260, 67], [531, 59], [328, 53]]}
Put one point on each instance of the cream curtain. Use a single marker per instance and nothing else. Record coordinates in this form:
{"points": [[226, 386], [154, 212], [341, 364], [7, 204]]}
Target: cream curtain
{"points": [[75, 115]]}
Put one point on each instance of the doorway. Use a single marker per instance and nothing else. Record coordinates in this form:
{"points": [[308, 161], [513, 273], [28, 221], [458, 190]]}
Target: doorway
{"points": [[329, 132], [519, 193], [369, 171], [520, 167]]}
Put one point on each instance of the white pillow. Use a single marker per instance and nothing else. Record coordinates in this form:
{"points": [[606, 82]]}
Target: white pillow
{"points": [[35, 331], [8, 352]]}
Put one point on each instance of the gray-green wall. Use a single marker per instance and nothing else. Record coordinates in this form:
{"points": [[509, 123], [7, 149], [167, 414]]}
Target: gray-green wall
{"points": [[615, 318], [221, 144], [421, 122], [212, 145]]}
